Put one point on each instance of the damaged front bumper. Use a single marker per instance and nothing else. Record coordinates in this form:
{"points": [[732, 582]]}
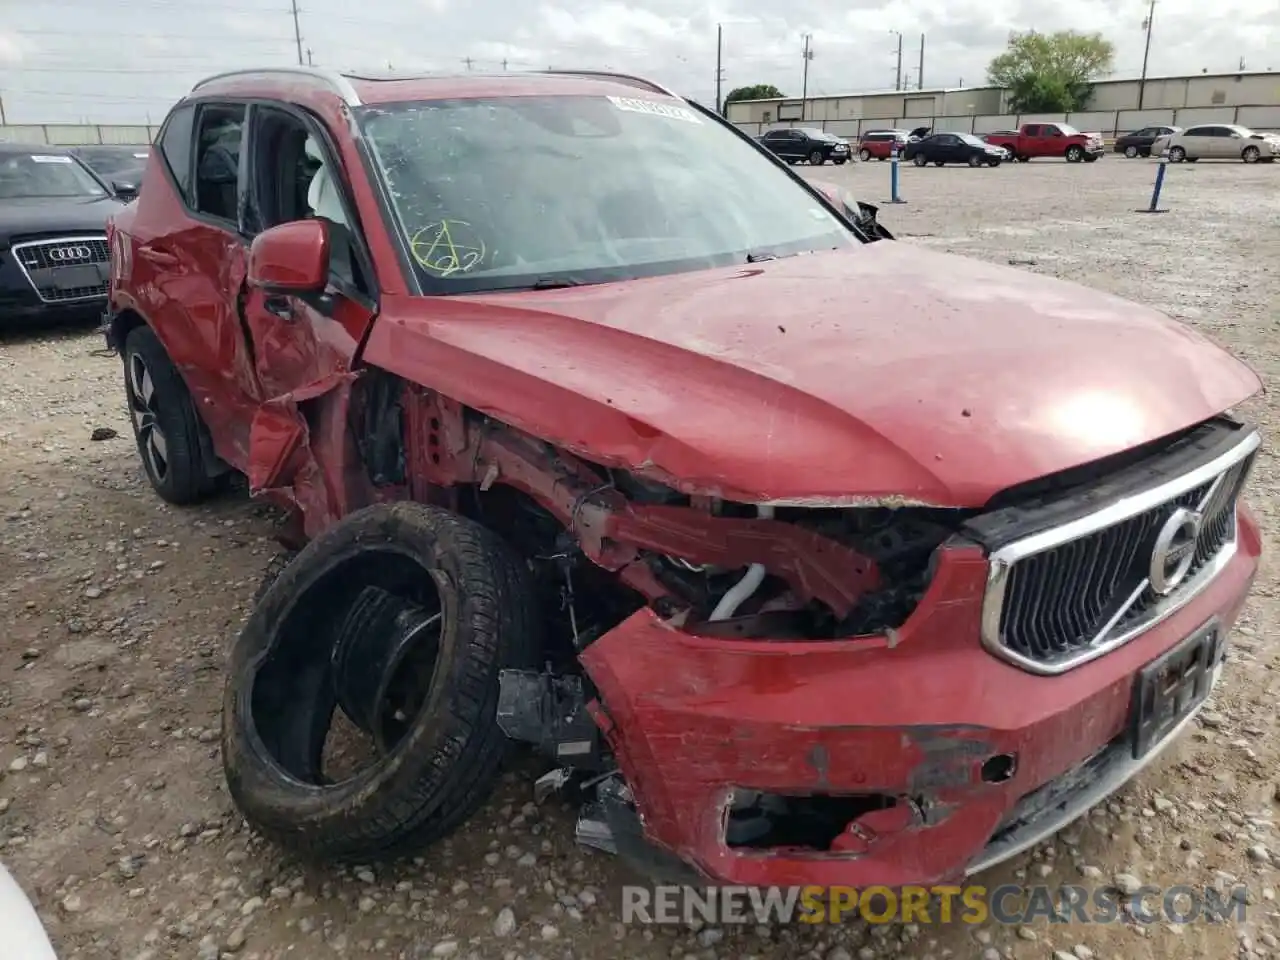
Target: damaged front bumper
{"points": [[945, 759]]}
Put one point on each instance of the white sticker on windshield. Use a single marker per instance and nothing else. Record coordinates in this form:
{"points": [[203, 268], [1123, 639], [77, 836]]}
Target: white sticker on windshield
{"points": [[45, 158], [653, 107], [142, 156]]}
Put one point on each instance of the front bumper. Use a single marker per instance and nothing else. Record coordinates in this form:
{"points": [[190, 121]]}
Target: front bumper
{"points": [[20, 304], [916, 715]]}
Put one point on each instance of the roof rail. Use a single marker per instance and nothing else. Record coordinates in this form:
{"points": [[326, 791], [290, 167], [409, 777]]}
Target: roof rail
{"points": [[624, 77], [334, 81]]}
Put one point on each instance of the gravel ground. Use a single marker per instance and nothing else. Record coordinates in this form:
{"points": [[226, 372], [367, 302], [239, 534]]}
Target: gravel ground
{"points": [[118, 610]]}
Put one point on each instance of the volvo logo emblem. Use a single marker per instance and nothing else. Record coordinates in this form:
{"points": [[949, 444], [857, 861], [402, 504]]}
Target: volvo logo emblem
{"points": [[69, 254], [1174, 550]]}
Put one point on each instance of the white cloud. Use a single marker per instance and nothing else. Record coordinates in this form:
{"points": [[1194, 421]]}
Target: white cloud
{"points": [[68, 50]]}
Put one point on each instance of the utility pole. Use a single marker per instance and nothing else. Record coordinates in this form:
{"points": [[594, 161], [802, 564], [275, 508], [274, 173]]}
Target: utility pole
{"points": [[2, 119], [310, 62], [897, 83], [504, 64], [468, 61], [719, 62], [804, 86], [297, 31], [920, 72], [1146, 53]]}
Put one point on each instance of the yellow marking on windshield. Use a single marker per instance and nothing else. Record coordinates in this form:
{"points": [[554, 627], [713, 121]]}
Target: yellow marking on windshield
{"points": [[447, 247]]}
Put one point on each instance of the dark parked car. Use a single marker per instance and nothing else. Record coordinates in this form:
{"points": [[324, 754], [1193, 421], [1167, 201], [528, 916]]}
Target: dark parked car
{"points": [[806, 143], [1138, 143], [53, 244], [943, 148], [122, 164]]}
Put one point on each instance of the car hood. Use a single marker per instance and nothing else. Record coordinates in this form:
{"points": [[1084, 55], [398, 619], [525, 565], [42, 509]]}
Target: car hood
{"points": [[54, 214], [887, 373]]}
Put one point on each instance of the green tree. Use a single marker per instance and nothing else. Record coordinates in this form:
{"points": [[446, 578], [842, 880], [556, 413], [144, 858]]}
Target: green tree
{"points": [[757, 91], [1051, 73]]}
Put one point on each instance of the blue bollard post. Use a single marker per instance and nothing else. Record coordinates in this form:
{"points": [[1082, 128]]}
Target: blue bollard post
{"points": [[1155, 190], [893, 177]]}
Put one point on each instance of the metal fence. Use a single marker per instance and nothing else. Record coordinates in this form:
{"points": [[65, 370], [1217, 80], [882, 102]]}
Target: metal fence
{"points": [[1109, 123], [75, 134]]}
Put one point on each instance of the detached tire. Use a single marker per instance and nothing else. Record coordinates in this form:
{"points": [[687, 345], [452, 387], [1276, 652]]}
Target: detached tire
{"points": [[166, 427], [280, 692]]}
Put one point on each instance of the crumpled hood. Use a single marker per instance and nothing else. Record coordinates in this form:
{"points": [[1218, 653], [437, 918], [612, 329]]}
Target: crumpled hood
{"points": [[53, 214], [887, 371]]}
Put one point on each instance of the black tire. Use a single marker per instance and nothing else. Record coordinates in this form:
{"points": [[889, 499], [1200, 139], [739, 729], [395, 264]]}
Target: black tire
{"points": [[817, 158], [864, 154], [993, 163], [975, 160], [1177, 154], [1131, 152], [449, 758], [1074, 154], [166, 427], [1024, 159], [920, 160], [1251, 155]]}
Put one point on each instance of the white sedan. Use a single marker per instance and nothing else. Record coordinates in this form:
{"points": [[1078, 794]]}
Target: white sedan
{"points": [[1218, 141], [22, 936]]}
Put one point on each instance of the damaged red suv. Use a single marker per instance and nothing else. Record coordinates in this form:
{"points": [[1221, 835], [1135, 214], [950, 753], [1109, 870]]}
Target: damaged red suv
{"points": [[802, 557]]}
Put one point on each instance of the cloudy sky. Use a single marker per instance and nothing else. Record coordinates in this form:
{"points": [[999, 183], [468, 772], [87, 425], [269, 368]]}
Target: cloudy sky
{"points": [[123, 61]]}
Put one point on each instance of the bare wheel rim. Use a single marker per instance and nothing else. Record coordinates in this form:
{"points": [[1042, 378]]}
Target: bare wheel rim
{"points": [[144, 408]]}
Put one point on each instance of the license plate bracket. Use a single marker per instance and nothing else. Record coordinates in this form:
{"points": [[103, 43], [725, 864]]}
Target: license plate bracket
{"points": [[77, 277], [1170, 687]]}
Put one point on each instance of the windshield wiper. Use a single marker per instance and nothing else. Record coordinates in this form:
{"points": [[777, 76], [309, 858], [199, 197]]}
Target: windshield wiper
{"points": [[556, 283], [760, 256]]}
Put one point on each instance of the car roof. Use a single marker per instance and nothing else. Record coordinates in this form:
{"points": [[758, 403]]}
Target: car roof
{"points": [[309, 84]]}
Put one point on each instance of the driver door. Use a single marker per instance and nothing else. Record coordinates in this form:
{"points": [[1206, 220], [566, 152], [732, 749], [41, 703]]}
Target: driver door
{"points": [[302, 348]]}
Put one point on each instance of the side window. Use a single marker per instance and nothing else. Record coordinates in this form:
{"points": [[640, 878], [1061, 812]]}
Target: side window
{"points": [[218, 143], [1198, 132], [291, 177], [175, 146], [1032, 130]]}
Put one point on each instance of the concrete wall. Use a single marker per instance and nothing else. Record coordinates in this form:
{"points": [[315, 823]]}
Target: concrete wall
{"points": [[1108, 123], [73, 134], [1199, 99]]}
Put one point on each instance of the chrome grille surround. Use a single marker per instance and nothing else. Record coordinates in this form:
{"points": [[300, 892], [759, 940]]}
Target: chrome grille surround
{"points": [[1067, 595], [41, 255]]}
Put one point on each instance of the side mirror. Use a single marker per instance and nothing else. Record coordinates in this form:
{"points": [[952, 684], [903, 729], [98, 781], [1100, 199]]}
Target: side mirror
{"points": [[125, 191], [291, 258]]}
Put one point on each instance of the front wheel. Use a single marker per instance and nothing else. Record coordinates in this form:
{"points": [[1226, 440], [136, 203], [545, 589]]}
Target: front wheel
{"points": [[1177, 154], [975, 160], [1251, 155], [1130, 152], [816, 158], [1074, 154], [920, 160], [394, 623], [865, 155], [993, 163], [166, 426]]}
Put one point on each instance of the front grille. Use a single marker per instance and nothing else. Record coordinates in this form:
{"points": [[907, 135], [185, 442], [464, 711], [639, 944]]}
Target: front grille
{"points": [[66, 269], [1055, 602]]}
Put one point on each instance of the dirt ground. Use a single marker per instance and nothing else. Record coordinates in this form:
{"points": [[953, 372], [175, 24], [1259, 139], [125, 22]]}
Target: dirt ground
{"points": [[117, 612]]}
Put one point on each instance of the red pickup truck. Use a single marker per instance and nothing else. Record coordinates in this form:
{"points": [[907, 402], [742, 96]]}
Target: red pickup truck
{"points": [[1048, 140]]}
